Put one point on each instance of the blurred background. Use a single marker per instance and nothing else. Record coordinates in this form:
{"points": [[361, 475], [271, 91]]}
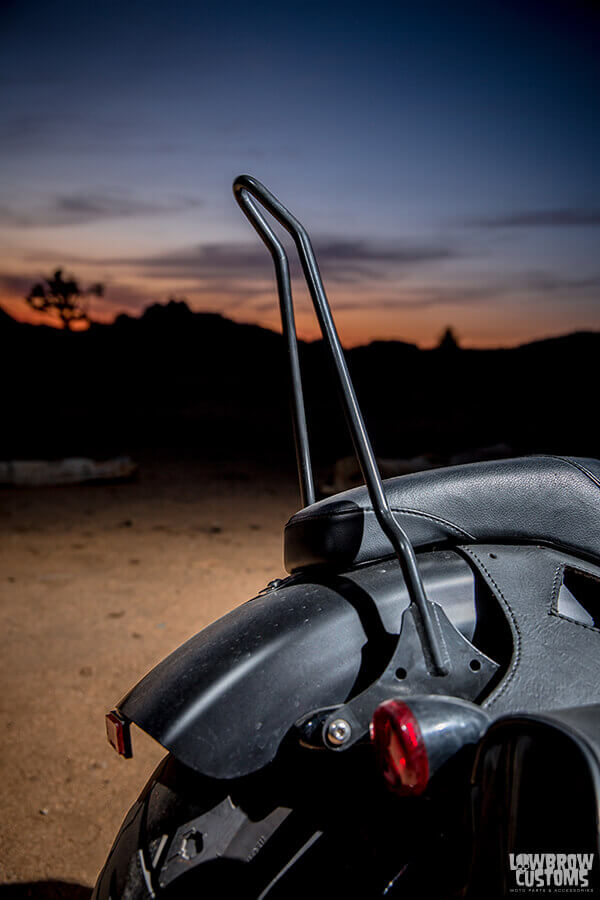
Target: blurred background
{"points": [[443, 158]]}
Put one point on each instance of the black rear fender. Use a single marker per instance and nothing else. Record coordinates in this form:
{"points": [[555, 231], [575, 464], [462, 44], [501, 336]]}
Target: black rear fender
{"points": [[224, 700]]}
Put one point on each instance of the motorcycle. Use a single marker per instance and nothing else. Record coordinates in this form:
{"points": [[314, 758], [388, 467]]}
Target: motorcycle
{"points": [[412, 712]]}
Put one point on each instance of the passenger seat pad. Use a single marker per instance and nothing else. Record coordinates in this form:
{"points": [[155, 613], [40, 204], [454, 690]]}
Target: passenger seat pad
{"points": [[551, 499]]}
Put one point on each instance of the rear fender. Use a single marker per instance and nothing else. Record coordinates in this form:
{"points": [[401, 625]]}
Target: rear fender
{"points": [[223, 701]]}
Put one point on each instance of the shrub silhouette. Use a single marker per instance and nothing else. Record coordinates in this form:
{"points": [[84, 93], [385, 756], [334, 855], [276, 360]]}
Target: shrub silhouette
{"points": [[64, 297], [448, 341]]}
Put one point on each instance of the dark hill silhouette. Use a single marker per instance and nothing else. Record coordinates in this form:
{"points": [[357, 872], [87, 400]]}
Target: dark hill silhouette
{"points": [[6, 321], [202, 385]]}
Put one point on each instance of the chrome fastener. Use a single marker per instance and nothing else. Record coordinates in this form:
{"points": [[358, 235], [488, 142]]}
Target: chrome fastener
{"points": [[338, 732]]}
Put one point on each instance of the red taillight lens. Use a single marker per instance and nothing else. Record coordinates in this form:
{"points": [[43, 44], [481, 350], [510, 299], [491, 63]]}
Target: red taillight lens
{"points": [[118, 734], [400, 748]]}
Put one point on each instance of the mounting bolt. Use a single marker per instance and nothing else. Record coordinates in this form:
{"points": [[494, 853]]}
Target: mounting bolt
{"points": [[338, 732]]}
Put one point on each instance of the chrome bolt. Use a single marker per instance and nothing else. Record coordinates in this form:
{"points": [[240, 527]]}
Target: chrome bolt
{"points": [[338, 732]]}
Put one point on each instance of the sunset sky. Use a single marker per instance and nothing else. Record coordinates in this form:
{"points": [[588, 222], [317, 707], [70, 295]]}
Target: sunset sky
{"points": [[444, 157]]}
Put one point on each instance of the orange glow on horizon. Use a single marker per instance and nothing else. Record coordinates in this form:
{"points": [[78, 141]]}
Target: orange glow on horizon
{"points": [[18, 309], [356, 328]]}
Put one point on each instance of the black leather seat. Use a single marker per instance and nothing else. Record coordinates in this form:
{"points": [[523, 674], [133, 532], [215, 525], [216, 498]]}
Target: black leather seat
{"points": [[549, 499]]}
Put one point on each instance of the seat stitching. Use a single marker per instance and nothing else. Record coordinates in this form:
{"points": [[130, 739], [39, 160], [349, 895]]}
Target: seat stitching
{"points": [[555, 589], [517, 655], [416, 512], [402, 511]]}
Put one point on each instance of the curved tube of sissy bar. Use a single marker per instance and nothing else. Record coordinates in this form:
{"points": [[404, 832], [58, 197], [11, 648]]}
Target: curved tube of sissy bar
{"points": [[246, 185], [286, 307]]}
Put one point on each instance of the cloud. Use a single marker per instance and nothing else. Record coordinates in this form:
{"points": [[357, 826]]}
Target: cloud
{"points": [[341, 259], [233, 293], [532, 285], [83, 207], [18, 285], [565, 217], [429, 297], [548, 283]]}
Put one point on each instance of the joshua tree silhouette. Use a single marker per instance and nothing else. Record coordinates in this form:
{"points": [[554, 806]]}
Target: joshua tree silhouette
{"points": [[64, 297]]}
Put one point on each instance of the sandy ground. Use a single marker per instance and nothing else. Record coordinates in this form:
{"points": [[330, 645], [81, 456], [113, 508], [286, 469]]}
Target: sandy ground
{"points": [[97, 584]]}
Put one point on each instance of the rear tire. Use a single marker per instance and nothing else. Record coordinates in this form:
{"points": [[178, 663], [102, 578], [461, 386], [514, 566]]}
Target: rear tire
{"points": [[189, 836]]}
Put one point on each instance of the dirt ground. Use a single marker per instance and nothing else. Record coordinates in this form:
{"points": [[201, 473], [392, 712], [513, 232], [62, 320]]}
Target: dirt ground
{"points": [[97, 584]]}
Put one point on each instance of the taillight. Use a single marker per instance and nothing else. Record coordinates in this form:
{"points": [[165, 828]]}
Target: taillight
{"points": [[118, 734], [416, 737], [400, 748]]}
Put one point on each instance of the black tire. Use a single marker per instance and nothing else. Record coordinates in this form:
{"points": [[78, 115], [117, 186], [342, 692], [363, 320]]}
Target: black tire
{"points": [[189, 836]]}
